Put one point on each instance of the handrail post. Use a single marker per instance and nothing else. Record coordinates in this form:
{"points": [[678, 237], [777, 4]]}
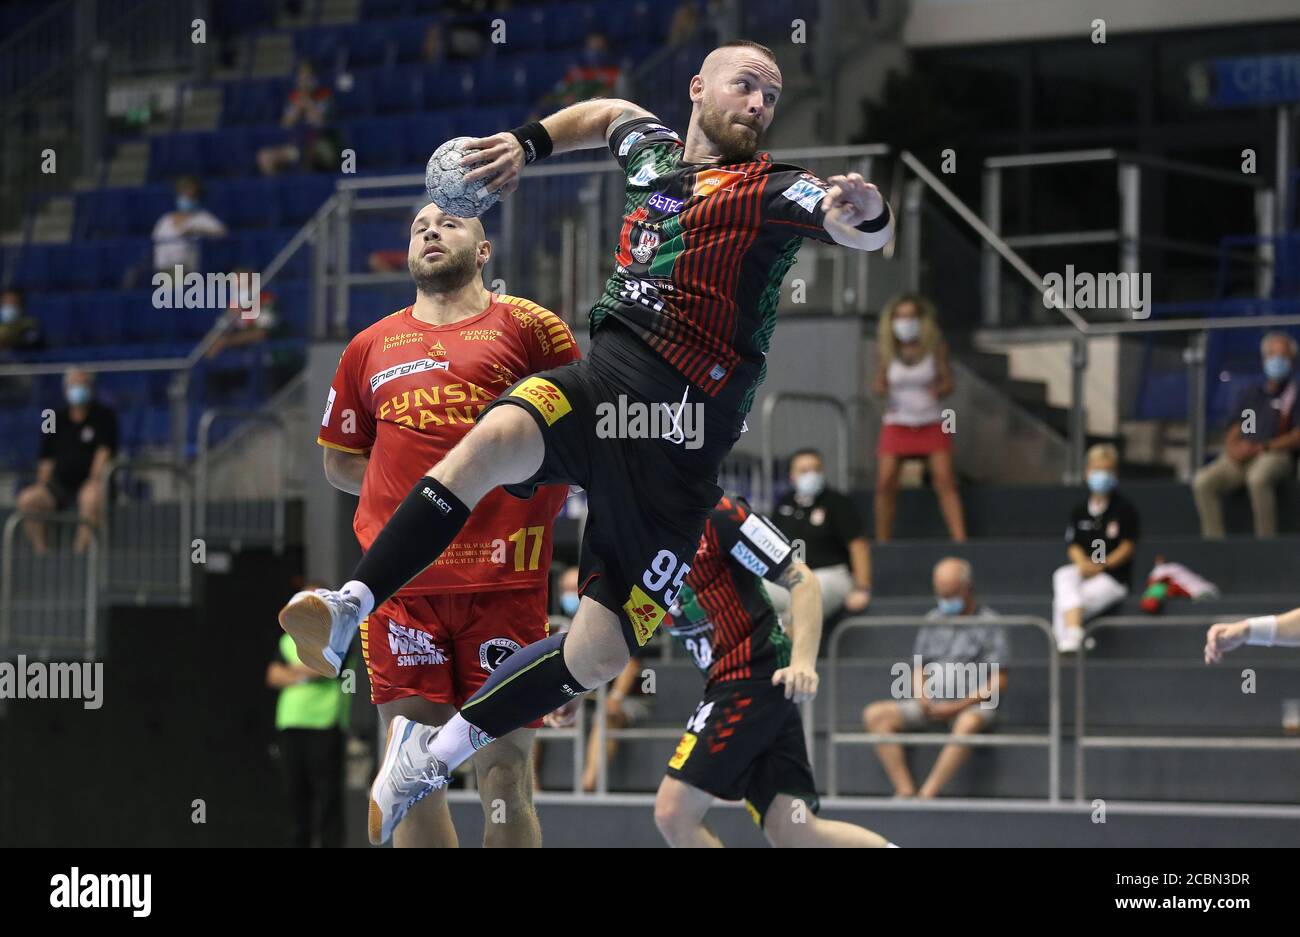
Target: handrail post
{"points": [[1053, 715], [1194, 356], [1080, 723], [991, 266], [602, 742], [342, 259], [912, 192], [1078, 409], [1130, 219]]}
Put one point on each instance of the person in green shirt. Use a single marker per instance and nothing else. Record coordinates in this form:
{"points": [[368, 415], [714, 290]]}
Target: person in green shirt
{"points": [[309, 715]]}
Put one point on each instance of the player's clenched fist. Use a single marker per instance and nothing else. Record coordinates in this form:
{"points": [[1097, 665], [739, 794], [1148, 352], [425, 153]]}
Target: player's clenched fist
{"points": [[852, 200], [799, 683], [497, 160], [1223, 638]]}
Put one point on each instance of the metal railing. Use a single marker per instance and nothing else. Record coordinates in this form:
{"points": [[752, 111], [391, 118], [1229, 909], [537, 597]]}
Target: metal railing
{"points": [[238, 520], [49, 603], [1051, 740], [145, 558], [1085, 742], [1080, 331]]}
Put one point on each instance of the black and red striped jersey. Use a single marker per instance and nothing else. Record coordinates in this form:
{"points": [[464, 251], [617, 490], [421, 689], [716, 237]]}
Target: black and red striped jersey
{"points": [[701, 256], [723, 615]]}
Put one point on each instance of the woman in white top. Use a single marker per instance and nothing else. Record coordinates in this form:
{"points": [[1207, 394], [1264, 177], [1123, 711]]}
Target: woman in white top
{"points": [[913, 376]]}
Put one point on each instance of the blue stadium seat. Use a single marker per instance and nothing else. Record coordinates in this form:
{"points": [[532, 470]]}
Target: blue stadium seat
{"points": [[407, 37], [398, 90], [448, 86], [566, 24], [244, 203], [378, 142], [355, 95], [498, 81], [32, 270], [301, 196], [369, 44]]}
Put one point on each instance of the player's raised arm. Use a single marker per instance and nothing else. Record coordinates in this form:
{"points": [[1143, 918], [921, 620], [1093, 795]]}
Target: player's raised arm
{"points": [[499, 159], [1268, 631], [855, 214]]}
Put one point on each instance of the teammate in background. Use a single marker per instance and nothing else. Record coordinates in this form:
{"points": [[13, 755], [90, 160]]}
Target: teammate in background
{"points": [[710, 228], [408, 389], [1267, 631], [746, 737]]}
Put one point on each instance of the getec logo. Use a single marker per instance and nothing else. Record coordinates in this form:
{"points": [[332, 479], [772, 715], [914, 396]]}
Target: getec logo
{"points": [[669, 206]]}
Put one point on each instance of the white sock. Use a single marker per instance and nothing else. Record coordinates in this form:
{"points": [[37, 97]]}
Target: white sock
{"points": [[457, 741], [892, 846], [361, 592]]}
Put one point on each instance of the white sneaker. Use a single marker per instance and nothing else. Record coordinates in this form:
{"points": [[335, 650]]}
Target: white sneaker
{"points": [[408, 773], [1069, 640], [322, 624]]}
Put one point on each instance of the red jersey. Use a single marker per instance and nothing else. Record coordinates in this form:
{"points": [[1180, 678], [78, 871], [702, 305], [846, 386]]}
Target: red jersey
{"points": [[406, 392]]}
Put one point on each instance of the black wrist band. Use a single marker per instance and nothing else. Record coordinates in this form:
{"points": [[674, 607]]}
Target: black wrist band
{"points": [[535, 141], [872, 225]]}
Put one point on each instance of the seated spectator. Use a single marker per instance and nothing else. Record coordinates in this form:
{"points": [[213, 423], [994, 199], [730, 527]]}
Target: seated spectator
{"points": [[309, 114], [595, 75], [18, 331], [1260, 448], [913, 376], [74, 455], [176, 233], [947, 646], [828, 523], [280, 360], [1102, 539]]}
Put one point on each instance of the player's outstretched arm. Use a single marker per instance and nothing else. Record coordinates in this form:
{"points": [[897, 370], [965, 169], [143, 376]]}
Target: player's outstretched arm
{"points": [[800, 678], [500, 158], [1267, 631], [855, 215]]}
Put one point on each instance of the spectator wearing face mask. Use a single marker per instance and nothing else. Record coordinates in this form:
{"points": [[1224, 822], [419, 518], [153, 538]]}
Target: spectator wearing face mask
{"points": [[73, 459], [913, 375], [944, 646], [18, 331], [828, 524], [1101, 541], [176, 233], [1260, 448]]}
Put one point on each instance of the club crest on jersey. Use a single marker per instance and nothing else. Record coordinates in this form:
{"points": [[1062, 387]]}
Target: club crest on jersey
{"points": [[409, 367], [645, 247]]}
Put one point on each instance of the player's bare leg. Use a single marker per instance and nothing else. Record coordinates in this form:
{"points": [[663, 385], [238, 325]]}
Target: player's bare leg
{"points": [[504, 447], [679, 814], [953, 756], [789, 824], [428, 824], [880, 718], [505, 786]]}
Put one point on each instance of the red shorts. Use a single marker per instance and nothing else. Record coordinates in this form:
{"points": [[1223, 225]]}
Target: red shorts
{"points": [[442, 647], [904, 441]]}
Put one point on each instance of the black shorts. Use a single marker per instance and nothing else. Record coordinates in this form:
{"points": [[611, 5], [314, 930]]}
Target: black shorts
{"points": [[614, 424], [64, 496], [746, 742]]}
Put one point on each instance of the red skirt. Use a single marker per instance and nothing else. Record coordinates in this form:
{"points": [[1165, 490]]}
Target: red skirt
{"points": [[904, 441]]}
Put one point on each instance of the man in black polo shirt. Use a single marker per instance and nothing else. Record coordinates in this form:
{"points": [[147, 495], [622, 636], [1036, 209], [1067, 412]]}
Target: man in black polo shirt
{"points": [[1259, 451], [829, 525], [77, 442]]}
